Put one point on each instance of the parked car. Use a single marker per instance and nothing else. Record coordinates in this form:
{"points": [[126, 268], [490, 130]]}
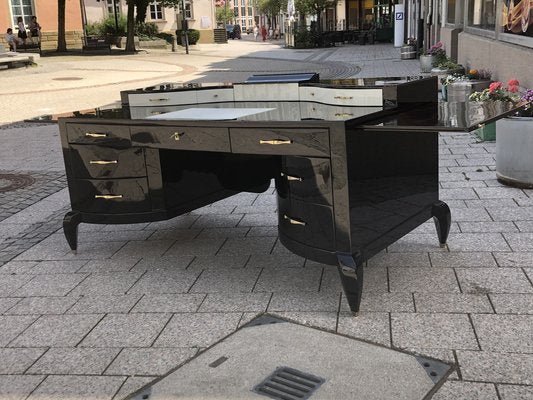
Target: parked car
{"points": [[233, 31]]}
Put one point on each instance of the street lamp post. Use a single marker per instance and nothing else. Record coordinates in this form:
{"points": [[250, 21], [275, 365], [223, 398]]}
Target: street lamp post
{"points": [[184, 27]]}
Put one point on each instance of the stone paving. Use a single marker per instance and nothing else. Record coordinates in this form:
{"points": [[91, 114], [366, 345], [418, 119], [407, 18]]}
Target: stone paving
{"points": [[137, 300]]}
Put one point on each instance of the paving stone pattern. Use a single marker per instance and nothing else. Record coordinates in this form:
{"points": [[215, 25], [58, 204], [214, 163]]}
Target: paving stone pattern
{"points": [[139, 299]]}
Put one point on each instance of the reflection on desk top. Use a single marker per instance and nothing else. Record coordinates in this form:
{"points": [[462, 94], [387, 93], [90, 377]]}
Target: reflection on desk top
{"points": [[341, 83], [444, 116]]}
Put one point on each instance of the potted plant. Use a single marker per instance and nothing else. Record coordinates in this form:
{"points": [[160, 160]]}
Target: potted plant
{"points": [[431, 57], [514, 146], [496, 96], [458, 87], [408, 50]]}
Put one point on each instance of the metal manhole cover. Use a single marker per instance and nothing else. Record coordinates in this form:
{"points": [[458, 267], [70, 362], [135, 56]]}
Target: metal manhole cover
{"points": [[68, 78], [9, 182], [289, 384]]}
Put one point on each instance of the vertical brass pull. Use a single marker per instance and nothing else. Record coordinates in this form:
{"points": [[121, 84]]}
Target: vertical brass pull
{"points": [[293, 221], [275, 142], [292, 177], [108, 196], [103, 162], [95, 135]]}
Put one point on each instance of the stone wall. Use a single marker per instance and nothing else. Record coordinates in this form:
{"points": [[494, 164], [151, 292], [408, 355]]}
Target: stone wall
{"points": [[206, 36], [505, 60], [73, 38]]}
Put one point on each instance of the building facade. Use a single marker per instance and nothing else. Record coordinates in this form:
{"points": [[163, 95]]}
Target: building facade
{"points": [[245, 14], [200, 15], [46, 13], [493, 34]]}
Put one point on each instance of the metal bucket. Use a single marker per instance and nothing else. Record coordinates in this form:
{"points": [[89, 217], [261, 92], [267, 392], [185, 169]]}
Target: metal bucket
{"points": [[408, 52], [426, 63]]}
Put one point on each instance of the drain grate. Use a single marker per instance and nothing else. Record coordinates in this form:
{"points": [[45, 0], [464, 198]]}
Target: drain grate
{"points": [[289, 384]]}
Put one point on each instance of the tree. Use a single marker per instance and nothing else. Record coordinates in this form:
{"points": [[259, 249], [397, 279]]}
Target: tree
{"points": [[224, 14], [142, 6], [314, 7], [272, 7], [61, 40]]}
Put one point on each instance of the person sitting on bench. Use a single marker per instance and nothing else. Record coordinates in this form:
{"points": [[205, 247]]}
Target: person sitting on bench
{"points": [[35, 29], [12, 40]]}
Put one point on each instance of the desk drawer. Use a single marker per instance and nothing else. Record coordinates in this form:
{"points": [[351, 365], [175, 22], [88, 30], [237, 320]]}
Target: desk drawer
{"points": [[351, 97], [115, 135], [214, 95], [307, 223], [150, 111], [308, 179], [280, 141], [182, 138], [110, 196], [162, 98], [106, 162]]}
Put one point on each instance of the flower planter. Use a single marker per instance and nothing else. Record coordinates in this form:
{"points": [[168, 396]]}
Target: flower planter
{"points": [[427, 63], [408, 52], [460, 91], [514, 147]]}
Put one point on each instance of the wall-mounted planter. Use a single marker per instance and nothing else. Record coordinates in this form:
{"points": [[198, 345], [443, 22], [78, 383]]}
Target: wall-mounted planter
{"points": [[514, 149]]}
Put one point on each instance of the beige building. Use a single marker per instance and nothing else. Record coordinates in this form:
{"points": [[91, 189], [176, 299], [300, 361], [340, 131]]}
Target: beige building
{"points": [[200, 15]]}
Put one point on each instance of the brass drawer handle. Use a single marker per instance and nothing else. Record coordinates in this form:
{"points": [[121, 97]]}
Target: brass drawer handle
{"points": [[103, 162], [108, 196], [160, 99], [343, 114], [292, 177], [343, 97], [95, 135], [275, 142], [177, 135], [293, 221]]}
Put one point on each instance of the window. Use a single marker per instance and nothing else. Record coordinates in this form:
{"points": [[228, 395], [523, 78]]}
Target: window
{"points": [[517, 18], [482, 14], [243, 11], [450, 12], [110, 7], [188, 10], [156, 11], [22, 8]]}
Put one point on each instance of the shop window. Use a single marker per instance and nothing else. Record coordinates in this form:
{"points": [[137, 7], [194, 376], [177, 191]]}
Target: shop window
{"points": [[517, 18], [482, 14], [22, 8], [156, 11]]}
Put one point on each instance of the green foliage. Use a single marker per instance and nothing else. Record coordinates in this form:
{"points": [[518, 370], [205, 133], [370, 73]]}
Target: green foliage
{"points": [[314, 7], [107, 27], [193, 34], [272, 7], [149, 29], [92, 29], [165, 36], [303, 39], [224, 14]]}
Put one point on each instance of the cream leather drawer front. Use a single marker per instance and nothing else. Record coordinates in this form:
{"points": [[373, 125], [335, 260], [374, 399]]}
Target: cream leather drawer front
{"points": [[162, 98], [214, 95], [347, 97], [328, 112], [145, 112], [266, 92]]}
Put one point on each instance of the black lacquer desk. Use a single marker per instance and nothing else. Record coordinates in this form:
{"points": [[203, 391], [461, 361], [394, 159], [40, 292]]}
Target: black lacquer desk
{"points": [[355, 162]]}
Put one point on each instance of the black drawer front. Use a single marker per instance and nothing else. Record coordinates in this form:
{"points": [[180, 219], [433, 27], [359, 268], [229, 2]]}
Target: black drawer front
{"points": [[307, 223], [182, 138], [118, 196], [116, 135], [105, 162], [290, 141], [308, 179]]}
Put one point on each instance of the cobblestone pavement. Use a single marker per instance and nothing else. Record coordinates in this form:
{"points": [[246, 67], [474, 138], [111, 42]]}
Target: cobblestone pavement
{"points": [[63, 84], [139, 299]]}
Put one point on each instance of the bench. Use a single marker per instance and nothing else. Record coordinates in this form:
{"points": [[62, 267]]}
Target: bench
{"points": [[95, 43], [12, 59], [28, 47]]}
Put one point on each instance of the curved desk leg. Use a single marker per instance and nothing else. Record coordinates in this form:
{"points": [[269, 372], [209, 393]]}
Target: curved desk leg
{"points": [[70, 228], [351, 273], [443, 218]]}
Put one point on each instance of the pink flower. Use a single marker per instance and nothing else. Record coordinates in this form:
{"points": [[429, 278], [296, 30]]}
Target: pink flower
{"points": [[512, 88], [494, 86], [513, 82]]}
